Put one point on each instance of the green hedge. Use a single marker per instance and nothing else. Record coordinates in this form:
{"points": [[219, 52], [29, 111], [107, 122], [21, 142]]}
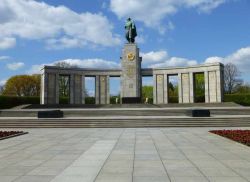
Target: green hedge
{"points": [[90, 100], [242, 99], [199, 98], [173, 99], [12, 101], [113, 99]]}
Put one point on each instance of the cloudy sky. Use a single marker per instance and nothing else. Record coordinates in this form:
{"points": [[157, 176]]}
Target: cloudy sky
{"points": [[91, 33]]}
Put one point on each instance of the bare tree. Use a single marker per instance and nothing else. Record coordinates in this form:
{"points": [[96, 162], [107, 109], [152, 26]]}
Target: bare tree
{"points": [[64, 79], [1, 89], [231, 78], [64, 64]]}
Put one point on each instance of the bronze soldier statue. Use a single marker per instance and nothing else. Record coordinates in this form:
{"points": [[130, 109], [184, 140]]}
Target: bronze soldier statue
{"points": [[130, 31]]}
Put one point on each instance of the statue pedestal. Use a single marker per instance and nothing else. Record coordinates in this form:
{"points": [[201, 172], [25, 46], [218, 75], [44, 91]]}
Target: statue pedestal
{"points": [[131, 82]]}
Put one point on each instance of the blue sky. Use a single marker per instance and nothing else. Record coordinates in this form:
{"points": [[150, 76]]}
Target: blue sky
{"points": [[91, 33]]}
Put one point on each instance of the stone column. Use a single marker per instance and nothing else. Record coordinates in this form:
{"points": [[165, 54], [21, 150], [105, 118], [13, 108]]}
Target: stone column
{"points": [[102, 89], [71, 88], [51, 94], [44, 88], [180, 93], [165, 89], [154, 89], [185, 88], [219, 86], [212, 86], [159, 89], [191, 87], [57, 88], [207, 100], [97, 89], [78, 89], [107, 90], [83, 89]]}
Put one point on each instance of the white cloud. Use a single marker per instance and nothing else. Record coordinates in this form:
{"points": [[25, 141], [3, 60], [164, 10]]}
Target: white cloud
{"points": [[153, 56], [15, 66], [58, 26], [7, 42], [2, 82], [82, 63], [140, 39], [3, 58], [36, 69], [175, 62], [241, 58], [159, 59], [152, 12], [92, 63]]}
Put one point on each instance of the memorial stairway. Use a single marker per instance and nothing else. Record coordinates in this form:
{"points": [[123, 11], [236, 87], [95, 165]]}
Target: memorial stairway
{"points": [[130, 116]]}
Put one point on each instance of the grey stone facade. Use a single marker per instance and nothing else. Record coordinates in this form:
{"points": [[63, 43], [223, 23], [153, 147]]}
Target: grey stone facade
{"points": [[131, 81], [131, 72]]}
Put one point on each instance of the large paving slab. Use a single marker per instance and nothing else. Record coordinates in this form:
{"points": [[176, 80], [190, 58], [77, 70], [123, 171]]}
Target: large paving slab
{"points": [[123, 155]]}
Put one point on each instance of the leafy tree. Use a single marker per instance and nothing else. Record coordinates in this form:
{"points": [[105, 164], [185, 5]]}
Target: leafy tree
{"points": [[172, 89], [23, 85], [231, 78], [147, 91], [199, 84]]}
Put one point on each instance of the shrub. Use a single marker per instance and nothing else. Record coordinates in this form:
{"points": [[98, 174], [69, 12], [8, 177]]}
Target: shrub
{"points": [[12, 101], [90, 100], [4, 134], [242, 136], [64, 100], [243, 99], [199, 98], [173, 99], [113, 99]]}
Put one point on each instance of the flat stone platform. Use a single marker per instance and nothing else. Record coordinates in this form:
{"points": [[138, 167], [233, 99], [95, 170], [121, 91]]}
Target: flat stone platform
{"points": [[123, 155], [170, 105]]}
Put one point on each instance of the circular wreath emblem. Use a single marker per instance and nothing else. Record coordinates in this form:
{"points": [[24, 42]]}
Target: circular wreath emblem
{"points": [[131, 56]]}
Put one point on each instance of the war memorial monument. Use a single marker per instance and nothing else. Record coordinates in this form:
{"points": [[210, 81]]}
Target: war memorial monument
{"points": [[131, 75]]}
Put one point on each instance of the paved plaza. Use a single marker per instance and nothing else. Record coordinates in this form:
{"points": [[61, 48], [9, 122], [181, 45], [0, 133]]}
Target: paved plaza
{"points": [[123, 155]]}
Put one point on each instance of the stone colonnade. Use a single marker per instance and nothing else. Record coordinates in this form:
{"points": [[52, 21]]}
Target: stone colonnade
{"points": [[50, 87], [50, 84], [213, 77]]}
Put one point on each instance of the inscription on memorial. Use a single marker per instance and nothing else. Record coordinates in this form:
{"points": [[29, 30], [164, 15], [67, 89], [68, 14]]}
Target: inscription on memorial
{"points": [[159, 78], [130, 71]]}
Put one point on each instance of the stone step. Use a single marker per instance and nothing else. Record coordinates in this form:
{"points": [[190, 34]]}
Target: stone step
{"points": [[174, 122], [125, 112], [120, 126]]}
